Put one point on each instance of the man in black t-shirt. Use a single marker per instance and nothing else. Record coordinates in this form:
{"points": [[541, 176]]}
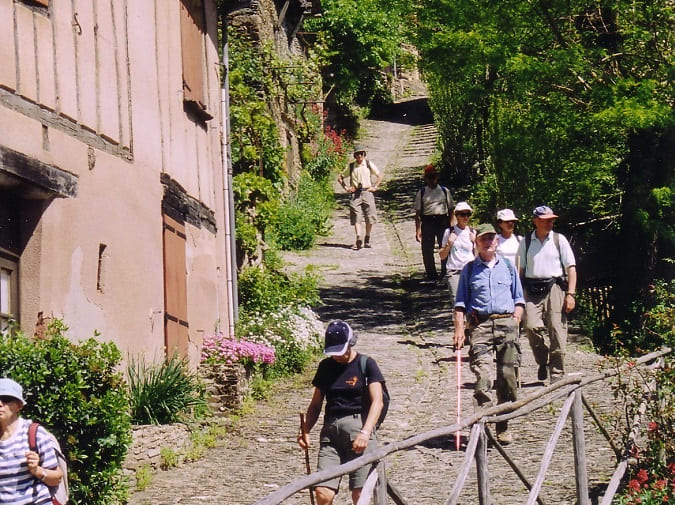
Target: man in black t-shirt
{"points": [[347, 431]]}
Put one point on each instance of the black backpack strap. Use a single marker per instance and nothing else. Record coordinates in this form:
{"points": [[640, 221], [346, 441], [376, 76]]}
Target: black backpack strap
{"points": [[556, 241], [362, 365]]}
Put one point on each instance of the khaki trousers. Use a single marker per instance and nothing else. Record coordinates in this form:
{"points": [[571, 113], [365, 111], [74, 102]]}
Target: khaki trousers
{"points": [[545, 320]]}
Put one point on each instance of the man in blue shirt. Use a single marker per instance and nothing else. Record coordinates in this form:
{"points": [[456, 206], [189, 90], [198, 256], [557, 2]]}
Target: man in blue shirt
{"points": [[489, 306]]}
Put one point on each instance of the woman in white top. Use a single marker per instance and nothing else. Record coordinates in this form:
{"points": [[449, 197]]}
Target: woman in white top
{"points": [[508, 242], [458, 246]]}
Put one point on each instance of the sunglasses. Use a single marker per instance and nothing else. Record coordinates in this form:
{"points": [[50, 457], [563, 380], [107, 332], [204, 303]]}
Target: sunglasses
{"points": [[463, 214], [7, 399]]}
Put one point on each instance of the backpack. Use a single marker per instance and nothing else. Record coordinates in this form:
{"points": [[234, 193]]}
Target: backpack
{"points": [[445, 192], [366, 397], [58, 493]]}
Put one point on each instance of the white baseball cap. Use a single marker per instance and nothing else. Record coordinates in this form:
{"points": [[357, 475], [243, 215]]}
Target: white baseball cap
{"points": [[463, 206], [506, 215]]}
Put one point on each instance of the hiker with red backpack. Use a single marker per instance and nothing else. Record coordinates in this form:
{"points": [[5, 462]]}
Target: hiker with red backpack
{"points": [[26, 475], [353, 387]]}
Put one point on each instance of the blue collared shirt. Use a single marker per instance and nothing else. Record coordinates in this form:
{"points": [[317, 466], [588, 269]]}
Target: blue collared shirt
{"points": [[495, 290]]}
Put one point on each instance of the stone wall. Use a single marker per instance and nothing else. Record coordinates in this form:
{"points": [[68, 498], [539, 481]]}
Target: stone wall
{"points": [[148, 441], [226, 386], [268, 21]]}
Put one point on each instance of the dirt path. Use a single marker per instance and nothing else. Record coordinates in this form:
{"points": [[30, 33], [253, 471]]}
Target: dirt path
{"points": [[407, 328]]}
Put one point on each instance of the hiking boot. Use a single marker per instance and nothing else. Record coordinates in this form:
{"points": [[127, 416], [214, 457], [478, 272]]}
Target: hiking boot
{"points": [[366, 242], [358, 244], [505, 437], [542, 373]]}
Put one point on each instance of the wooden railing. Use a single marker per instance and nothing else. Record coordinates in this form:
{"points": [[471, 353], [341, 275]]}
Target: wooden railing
{"points": [[377, 488]]}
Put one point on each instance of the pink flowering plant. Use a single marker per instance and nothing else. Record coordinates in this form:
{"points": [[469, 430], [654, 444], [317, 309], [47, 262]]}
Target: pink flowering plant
{"points": [[220, 348]]}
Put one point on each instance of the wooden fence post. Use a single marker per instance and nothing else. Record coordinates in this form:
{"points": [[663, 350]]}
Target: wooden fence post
{"points": [[579, 449], [381, 487], [482, 472]]}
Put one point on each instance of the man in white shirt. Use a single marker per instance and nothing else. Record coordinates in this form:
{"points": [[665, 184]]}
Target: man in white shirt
{"points": [[546, 258], [361, 188]]}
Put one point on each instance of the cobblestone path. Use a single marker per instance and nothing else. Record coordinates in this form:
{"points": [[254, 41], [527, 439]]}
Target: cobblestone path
{"points": [[407, 327]]}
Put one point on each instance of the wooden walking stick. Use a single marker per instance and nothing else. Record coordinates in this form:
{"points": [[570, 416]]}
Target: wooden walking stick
{"points": [[307, 466]]}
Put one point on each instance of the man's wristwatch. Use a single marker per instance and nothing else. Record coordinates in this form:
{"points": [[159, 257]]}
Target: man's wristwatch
{"points": [[571, 294]]}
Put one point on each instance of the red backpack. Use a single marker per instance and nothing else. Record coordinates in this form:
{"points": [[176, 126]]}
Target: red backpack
{"points": [[59, 493]]}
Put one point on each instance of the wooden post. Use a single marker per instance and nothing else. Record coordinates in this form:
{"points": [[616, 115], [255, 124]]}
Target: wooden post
{"points": [[579, 449], [482, 468], [466, 466], [548, 452], [381, 488]]}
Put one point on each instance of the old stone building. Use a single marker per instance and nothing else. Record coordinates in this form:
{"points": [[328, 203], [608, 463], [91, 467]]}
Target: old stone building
{"points": [[113, 194]]}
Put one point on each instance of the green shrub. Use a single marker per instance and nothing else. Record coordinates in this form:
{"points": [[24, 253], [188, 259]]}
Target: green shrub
{"points": [[164, 393], [295, 229], [76, 392], [269, 289], [303, 215]]}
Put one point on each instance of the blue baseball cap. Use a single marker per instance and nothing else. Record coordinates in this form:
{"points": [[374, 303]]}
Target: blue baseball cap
{"points": [[544, 212], [338, 336], [8, 387]]}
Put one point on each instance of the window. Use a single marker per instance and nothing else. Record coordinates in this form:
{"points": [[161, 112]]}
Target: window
{"points": [[44, 3], [193, 30], [9, 269]]}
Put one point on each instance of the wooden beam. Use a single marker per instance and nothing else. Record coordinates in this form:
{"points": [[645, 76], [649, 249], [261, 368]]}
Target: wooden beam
{"points": [[482, 473], [579, 442], [512, 464], [548, 452], [601, 427], [466, 465]]}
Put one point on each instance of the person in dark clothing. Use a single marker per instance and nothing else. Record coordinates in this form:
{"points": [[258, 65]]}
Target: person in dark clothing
{"points": [[348, 432], [433, 214]]}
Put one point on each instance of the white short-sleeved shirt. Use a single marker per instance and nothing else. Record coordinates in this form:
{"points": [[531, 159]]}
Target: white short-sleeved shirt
{"points": [[360, 174], [462, 249], [543, 260], [434, 202], [508, 247]]}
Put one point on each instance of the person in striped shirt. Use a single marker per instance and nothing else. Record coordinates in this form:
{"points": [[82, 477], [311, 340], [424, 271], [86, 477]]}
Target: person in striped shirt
{"points": [[24, 475]]}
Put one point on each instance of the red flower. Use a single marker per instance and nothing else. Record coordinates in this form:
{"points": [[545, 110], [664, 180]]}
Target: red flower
{"points": [[642, 476], [634, 485], [653, 426], [660, 484]]}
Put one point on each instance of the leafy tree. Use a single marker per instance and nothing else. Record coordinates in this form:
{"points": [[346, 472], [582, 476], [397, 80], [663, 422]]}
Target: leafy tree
{"points": [[565, 103], [359, 41]]}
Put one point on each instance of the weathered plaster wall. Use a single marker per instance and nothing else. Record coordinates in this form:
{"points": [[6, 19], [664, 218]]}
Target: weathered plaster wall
{"points": [[95, 89]]}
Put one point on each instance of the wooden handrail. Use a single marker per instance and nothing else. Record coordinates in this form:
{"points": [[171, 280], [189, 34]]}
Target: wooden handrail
{"points": [[503, 411]]}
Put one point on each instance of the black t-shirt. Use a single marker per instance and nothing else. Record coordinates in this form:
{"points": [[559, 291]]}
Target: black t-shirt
{"points": [[342, 385]]}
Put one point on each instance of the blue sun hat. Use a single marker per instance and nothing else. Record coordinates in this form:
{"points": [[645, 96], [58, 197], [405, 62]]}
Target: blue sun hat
{"points": [[8, 387]]}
